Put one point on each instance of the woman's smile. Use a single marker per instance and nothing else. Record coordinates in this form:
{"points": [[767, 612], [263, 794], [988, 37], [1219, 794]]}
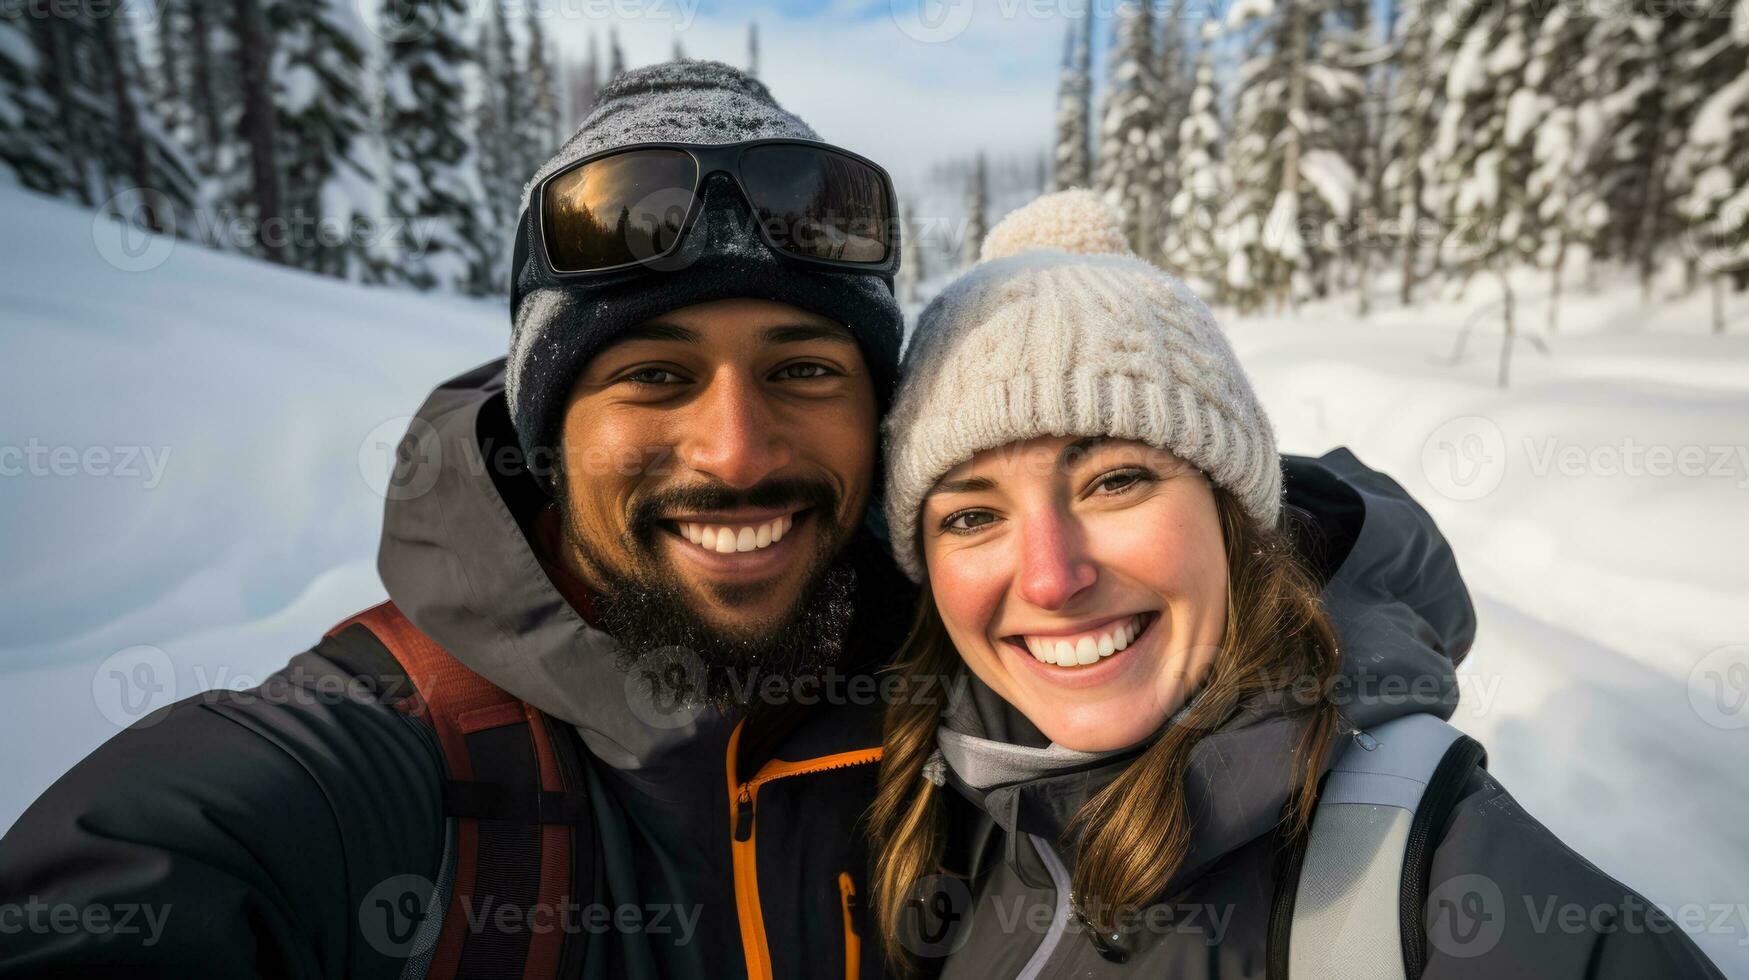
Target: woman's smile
{"points": [[1083, 646]]}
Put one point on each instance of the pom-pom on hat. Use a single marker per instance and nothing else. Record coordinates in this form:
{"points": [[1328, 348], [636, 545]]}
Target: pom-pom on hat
{"points": [[1060, 330]]}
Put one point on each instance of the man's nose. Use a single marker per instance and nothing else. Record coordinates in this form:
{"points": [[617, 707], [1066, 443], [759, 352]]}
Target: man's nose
{"points": [[1054, 566], [734, 436]]}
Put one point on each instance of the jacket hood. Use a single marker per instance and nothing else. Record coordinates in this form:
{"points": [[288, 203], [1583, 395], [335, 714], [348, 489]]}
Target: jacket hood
{"points": [[457, 560], [1402, 615]]}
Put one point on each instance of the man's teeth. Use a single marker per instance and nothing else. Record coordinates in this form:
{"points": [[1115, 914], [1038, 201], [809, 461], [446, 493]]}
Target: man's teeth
{"points": [[1088, 648], [724, 539]]}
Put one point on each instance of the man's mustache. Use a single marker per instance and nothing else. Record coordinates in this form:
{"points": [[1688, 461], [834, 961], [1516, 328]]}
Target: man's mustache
{"points": [[649, 510]]}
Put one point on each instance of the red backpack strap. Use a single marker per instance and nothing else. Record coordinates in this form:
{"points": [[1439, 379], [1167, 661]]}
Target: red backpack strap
{"points": [[507, 792]]}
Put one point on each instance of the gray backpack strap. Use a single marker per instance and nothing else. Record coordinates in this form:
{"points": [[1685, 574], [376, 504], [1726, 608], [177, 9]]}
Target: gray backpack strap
{"points": [[1357, 905]]}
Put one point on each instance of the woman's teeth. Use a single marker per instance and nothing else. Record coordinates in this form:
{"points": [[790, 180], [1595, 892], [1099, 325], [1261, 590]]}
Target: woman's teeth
{"points": [[724, 539], [1087, 648]]}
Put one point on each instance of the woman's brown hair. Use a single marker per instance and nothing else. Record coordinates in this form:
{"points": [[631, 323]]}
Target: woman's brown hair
{"points": [[1133, 834]]}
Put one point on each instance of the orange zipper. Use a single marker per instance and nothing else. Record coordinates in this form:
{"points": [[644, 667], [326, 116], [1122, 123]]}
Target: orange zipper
{"points": [[852, 941], [741, 841]]}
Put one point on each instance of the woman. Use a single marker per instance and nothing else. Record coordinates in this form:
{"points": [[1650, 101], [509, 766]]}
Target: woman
{"points": [[1149, 684]]}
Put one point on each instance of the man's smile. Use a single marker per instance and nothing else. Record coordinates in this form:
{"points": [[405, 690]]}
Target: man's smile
{"points": [[746, 544]]}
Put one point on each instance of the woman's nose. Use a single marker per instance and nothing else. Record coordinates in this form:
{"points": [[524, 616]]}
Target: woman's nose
{"points": [[1054, 564]]}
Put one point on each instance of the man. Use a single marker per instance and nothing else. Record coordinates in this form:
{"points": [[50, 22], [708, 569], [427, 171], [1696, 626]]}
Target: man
{"points": [[572, 744]]}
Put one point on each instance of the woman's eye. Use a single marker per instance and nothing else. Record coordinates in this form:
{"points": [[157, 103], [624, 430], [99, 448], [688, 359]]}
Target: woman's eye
{"points": [[1118, 481], [967, 521], [652, 376], [803, 372]]}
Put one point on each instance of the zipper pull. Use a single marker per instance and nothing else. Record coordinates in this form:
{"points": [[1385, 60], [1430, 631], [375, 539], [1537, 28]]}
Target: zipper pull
{"points": [[744, 816], [847, 891]]}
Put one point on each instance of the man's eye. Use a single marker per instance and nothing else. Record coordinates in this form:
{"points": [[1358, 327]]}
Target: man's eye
{"points": [[967, 521], [802, 372], [652, 376]]}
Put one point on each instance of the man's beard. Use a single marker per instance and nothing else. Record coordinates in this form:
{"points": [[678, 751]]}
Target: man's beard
{"points": [[649, 609]]}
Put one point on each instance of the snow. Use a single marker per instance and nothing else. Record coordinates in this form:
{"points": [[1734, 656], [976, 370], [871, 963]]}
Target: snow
{"points": [[1333, 179], [15, 47], [299, 87], [1466, 74], [227, 421], [1246, 10], [1713, 123], [1609, 583], [1281, 230], [1523, 109]]}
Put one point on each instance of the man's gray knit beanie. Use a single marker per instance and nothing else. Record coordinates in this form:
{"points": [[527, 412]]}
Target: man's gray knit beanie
{"points": [[1060, 331], [557, 324]]}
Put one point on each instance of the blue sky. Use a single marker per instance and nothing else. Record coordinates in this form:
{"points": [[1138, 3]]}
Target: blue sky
{"points": [[904, 83]]}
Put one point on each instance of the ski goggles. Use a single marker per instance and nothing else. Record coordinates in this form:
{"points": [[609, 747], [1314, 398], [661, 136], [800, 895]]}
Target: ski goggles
{"points": [[633, 205]]}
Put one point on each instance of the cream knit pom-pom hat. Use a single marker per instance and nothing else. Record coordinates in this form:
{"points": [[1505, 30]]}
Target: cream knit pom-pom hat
{"points": [[1059, 330]]}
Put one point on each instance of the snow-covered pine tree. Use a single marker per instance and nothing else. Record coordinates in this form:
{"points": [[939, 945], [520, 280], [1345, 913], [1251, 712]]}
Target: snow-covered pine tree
{"points": [[1073, 164], [501, 152], [911, 266], [1131, 144], [1414, 97], [542, 136], [264, 202], [324, 117], [1348, 44], [1292, 185], [1191, 246], [1485, 141], [1567, 120], [77, 121], [1716, 207], [434, 184], [29, 147], [67, 70], [1176, 77], [582, 87], [208, 92], [616, 58], [977, 218], [1664, 57]]}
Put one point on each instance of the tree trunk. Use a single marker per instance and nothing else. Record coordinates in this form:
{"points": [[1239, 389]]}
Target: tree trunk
{"points": [[1651, 212], [1718, 303], [206, 102], [1555, 283], [254, 56], [1296, 108], [127, 120], [1510, 329]]}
